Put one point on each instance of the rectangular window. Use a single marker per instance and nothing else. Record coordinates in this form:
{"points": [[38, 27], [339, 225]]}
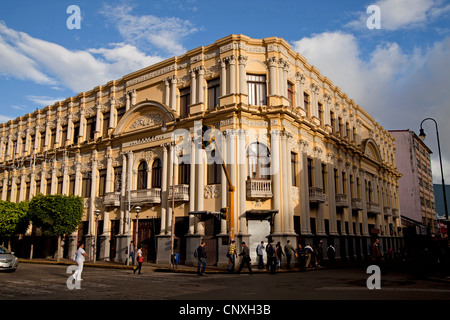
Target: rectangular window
{"points": [[102, 182], [293, 162], [59, 186], [290, 91], [117, 179], [184, 173], [86, 187], [76, 132], [63, 136], [213, 93], [214, 173], [310, 173], [72, 185], [185, 101], [306, 103], [120, 113], [320, 109], [90, 128], [105, 125], [256, 85]]}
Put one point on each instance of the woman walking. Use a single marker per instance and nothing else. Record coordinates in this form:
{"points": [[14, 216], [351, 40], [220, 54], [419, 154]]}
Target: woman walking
{"points": [[140, 259]]}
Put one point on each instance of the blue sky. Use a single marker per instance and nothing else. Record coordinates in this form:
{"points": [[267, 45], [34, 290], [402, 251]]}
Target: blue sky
{"points": [[399, 73]]}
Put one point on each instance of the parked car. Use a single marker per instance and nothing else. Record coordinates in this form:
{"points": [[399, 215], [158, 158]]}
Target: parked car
{"points": [[8, 261]]}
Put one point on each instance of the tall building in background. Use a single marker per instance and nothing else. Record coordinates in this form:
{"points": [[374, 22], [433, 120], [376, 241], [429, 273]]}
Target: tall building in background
{"points": [[416, 191], [307, 163]]}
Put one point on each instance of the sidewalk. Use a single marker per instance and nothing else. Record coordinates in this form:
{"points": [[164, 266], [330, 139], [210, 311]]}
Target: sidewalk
{"points": [[152, 267]]}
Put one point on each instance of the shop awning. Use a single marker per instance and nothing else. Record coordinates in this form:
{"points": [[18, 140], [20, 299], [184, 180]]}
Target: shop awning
{"points": [[204, 215], [255, 214]]}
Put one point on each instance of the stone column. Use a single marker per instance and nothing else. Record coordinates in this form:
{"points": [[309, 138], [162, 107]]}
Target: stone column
{"points": [[232, 66], [242, 75], [272, 76], [192, 189], [201, 74], [304, 189], [164, 191], [242, 178], [169, 190], [276, 176], [193, 86], [299, 80], [285, 185], [173, 102], [167, 91], [223, 77]]}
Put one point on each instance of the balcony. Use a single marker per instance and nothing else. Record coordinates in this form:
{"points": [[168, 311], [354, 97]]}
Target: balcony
{"points": [[373, 208], [143, 196], [259, 188], [111, 199], [341, 201], [181, 192], [395, 213], [316, 195], [356, 204], [387, 211]]}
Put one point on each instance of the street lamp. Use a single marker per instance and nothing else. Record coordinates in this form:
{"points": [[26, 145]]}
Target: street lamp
{"points": [[97, 214], [138, 209], [422, 136]]}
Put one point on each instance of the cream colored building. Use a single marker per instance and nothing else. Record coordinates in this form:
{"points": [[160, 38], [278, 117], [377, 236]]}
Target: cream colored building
{"points": [[307, 162]]}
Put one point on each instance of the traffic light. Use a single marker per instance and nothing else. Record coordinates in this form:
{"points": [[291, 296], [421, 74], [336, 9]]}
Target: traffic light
{"points": [[206, 142], [224, 212]]}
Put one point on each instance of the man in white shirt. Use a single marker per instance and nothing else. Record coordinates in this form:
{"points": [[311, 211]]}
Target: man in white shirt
{"points": [[80, 261]]}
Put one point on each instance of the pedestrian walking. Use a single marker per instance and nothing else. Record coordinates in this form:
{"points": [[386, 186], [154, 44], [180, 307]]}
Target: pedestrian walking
{"points": [[309, 255], [280, 253], [245, 258], [140, 260], [301, 258], [271, 251], [331, 253], [290, 252], [231, 254], [319, 254], [201, 257], [375, 252], [260, 252], [81, 255], [131, 252]]}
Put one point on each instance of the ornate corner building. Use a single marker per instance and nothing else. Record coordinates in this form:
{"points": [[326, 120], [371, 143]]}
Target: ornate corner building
{"points": [[306, 161]]}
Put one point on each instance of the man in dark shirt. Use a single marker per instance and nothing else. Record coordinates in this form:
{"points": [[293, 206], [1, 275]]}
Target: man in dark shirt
{"points": [[201, 256], [245, 258]]}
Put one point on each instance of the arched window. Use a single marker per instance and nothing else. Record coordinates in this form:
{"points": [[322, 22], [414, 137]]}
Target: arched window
{"points": [[142, 175], [156, 173], [258, 161]]}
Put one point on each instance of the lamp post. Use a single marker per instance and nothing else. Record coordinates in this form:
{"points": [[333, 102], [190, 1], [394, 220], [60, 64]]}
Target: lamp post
{"points": [[422, 136], [138, 209], [172, 232], [97, 214]]}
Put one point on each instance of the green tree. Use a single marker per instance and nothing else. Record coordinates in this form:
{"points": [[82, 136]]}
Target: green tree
{"points": [[13, 218], [56, 215]]}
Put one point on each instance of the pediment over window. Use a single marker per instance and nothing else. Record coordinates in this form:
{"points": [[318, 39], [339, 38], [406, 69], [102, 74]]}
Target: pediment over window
{"points": [[371, 150], [145, 115]]}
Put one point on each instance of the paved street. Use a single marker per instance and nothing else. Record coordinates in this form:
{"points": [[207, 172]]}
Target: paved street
{"points": [[42, 282]]}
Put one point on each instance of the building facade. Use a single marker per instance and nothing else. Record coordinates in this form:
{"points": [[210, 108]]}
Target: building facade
{"points": [[306, 162], [416, 192]]}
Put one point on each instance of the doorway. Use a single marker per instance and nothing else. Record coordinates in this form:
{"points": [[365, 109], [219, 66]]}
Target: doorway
{"points": [[147, 238]]}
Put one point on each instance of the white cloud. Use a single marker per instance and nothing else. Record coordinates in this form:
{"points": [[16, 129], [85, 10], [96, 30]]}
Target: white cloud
{"points": [[403, 14], [398, 89], [43, 100], [28, 58], [148, 31]]}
